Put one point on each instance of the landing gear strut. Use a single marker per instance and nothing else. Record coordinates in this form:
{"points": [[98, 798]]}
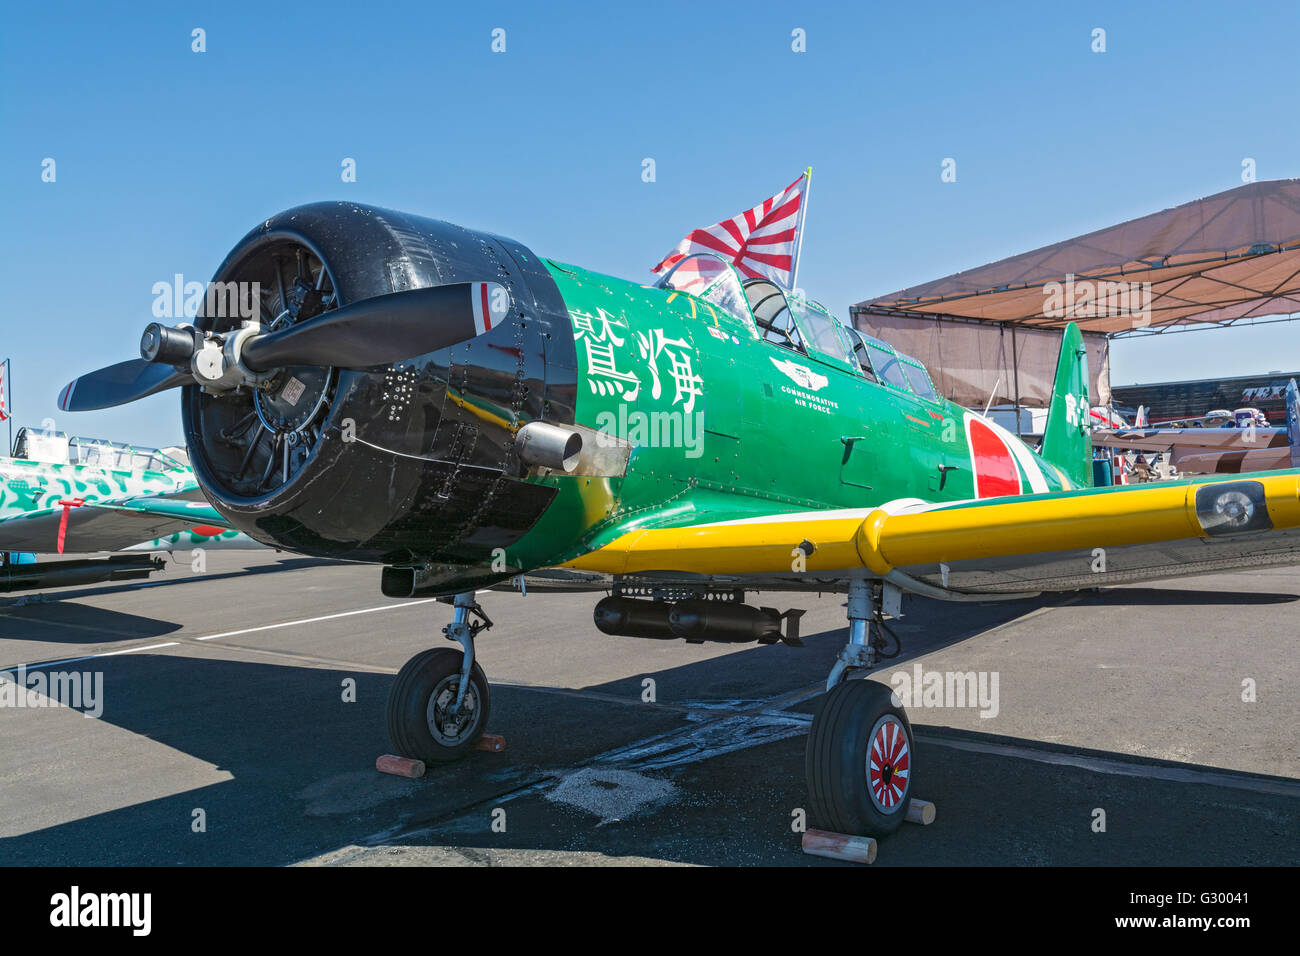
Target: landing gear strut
{"points": [[439, 705], [859, 758]]}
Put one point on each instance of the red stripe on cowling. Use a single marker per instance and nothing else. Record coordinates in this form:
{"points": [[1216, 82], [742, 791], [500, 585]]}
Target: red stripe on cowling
{"points": [[995, 467], [487, 314]]}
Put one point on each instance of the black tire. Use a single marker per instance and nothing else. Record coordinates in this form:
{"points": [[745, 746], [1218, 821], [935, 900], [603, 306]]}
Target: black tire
{"points": [[409, 722], [840, 785]]}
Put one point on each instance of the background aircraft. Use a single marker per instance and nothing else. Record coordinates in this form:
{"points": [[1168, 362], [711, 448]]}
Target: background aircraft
{"points": [[63, 494], [1217, 444], [450, 405]]}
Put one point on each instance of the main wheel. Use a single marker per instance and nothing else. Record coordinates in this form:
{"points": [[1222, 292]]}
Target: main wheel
{"points": [[859, 761], [419, 721]]}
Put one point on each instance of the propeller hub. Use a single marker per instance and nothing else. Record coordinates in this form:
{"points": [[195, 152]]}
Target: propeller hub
{"points": [[169, 345], [218, 363], [293, 397]]}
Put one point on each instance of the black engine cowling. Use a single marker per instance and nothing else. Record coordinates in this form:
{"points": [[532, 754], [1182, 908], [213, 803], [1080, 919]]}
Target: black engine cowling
{"points": [[407, 463]]}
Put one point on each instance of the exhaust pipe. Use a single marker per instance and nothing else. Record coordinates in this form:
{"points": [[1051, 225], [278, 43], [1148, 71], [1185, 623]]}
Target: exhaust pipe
{"points": [[549, 446]]}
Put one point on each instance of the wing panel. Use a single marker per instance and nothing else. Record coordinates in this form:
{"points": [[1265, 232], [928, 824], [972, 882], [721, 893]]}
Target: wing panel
{"points": [[106, 526], [1038, 542]]}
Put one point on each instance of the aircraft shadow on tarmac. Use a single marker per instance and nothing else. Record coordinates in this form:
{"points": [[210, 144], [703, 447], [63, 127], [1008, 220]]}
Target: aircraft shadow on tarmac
{"points": [[303, 779], [68, 623], [55, 617], [1184, 597]]}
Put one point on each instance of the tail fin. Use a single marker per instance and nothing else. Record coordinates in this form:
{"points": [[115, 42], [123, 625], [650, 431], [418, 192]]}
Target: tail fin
{"points": [[1293, 422], [1140, 420], [1066, 441]]}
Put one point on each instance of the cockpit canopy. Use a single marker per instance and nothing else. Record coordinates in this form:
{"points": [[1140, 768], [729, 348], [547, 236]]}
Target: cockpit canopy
{"points": [[58, 448], [714, 280], [768, 311]]}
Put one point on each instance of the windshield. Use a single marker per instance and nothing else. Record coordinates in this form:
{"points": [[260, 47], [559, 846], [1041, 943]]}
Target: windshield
{"points": [[860, 353], [116, 455], [886, 363], [713, 280], [918, 378], [823, 331], [768, 303], [56, 448]]}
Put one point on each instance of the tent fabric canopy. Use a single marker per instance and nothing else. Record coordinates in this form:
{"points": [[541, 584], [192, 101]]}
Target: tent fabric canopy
{"points": [[977, 365], [1231, 256]]}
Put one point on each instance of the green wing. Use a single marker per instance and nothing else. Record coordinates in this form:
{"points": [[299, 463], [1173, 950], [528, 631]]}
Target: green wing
{"points": [[107, 525]]}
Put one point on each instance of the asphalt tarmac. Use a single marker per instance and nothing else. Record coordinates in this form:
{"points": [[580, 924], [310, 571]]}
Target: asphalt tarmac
{"points": [[241, 709]]}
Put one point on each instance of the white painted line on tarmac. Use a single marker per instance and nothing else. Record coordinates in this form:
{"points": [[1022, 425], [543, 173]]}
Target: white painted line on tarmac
{"points": [[90, 657], [313, 620], [212, 637]]}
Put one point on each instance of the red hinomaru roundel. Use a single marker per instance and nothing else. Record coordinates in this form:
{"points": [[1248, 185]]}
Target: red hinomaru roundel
{"points": [[993, 463]]}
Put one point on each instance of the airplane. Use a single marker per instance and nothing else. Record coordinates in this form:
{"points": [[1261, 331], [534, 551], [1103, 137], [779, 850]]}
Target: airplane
{"points": [[1103, 417], [1228, 445], [61, 493], [448, 404], [1245, 417]]}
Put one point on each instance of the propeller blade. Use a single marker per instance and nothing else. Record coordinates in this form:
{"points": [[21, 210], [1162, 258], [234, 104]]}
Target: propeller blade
{"points": [[119, 384], [384, 328], [374, 331]]}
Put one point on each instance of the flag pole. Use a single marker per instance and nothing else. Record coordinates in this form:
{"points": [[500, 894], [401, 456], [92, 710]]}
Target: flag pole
{"points": [[803, 214], [9, 405]]}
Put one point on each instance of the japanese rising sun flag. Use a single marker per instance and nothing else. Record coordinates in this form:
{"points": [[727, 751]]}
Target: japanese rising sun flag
{"points": [[763, 241]]}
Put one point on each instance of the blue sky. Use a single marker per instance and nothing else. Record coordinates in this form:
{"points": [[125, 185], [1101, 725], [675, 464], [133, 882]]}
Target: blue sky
{"points": [[166, 157]]}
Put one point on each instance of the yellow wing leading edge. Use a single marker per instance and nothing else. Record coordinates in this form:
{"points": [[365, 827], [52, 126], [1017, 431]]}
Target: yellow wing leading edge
{"points": [[1144, 531]]}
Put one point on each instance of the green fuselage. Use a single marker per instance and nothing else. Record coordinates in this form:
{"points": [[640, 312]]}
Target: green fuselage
{"points": [[726, 424]]}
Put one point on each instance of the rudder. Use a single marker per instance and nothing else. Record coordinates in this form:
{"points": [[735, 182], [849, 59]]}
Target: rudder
{"points": [[1067, 442]]}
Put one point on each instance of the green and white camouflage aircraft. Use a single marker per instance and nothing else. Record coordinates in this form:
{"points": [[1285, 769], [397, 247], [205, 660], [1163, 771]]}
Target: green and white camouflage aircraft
{"points": [[62, 494]]}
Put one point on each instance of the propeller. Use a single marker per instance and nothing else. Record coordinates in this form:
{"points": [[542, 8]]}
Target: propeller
{"points": [[383, 329], [375, 331], [119, 384]]}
